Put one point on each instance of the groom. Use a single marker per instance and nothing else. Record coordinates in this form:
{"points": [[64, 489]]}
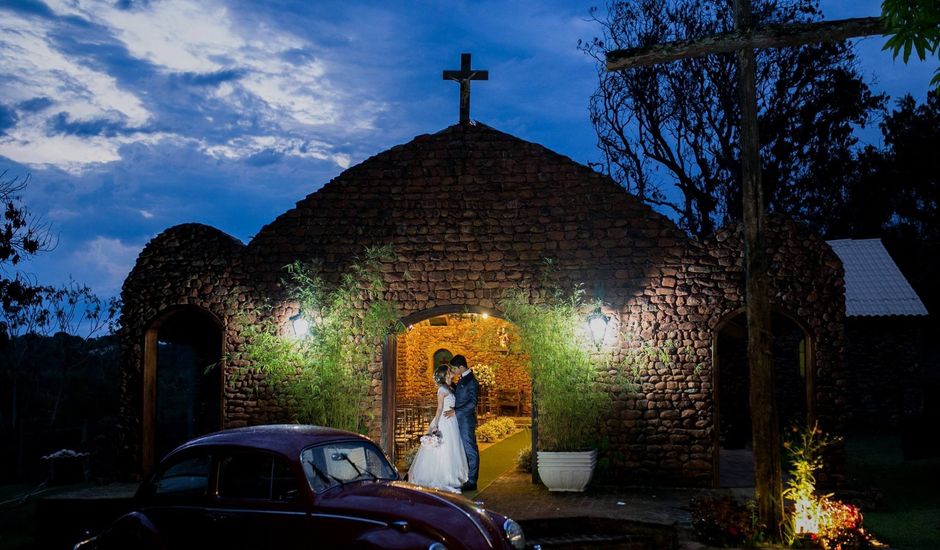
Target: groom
{"points": [[465, 407]]}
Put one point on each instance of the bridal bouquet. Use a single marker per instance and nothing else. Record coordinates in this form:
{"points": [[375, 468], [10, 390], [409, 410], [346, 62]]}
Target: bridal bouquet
{"points": [[433, 439]]}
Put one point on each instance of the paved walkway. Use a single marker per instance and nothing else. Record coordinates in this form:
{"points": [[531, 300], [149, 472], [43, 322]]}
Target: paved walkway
{"points": [[514, 495]]}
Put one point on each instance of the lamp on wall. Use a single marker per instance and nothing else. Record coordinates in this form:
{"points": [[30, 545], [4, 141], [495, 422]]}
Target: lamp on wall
{"points": [[597, 322], [300, 325]]}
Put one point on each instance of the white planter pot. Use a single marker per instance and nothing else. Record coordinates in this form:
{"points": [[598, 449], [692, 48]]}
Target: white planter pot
{"points": [[566, 471]]}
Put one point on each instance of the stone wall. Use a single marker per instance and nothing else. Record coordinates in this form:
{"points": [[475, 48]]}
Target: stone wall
{"points": [[472, 213], [469, 335], [885, 364]]}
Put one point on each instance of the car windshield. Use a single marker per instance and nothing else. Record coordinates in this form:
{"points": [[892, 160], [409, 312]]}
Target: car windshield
{"points": [[333, 464]]}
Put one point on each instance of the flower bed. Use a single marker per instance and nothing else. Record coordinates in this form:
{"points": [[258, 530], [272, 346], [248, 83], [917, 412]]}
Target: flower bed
{"points": [[496, 429]]}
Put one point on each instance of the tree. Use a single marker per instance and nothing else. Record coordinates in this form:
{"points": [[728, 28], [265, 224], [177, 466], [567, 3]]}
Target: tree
{"points": [[22, 236], [46, 332], [894, 193], [913, 25], [51, 335], [669, 133]]}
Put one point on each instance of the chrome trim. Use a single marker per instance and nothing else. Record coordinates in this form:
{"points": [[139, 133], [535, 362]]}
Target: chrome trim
{"points": [[351, 518], [234, 511]]}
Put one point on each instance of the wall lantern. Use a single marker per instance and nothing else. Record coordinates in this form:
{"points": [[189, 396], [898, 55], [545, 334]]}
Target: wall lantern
{"points": [[300, 325], [597, 322]]}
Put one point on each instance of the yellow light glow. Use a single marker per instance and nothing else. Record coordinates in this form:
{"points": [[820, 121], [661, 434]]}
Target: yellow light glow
{"points": [[486, 315]]}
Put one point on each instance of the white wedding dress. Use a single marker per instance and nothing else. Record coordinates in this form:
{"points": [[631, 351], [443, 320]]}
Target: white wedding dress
{"points": [[444, 466]]}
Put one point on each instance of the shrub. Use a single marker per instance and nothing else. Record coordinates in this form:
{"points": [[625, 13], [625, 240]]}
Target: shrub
{"points": [[506, 425], [321, 378], [723, 521], [818, 520], [549, 329], [495, 429], [524, 460], [487, 433]]}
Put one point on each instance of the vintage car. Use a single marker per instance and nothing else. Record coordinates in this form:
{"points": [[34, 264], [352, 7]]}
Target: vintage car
{"points": [[293, 486]]}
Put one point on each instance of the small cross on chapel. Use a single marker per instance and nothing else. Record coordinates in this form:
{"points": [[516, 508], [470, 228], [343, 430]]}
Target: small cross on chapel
{"points": [[464, 76]]}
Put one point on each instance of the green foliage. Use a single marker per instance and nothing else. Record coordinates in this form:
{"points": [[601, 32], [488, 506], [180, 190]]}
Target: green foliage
{"points": [[804, 451], [567, 397], [524, 459], [496, 429], [913, 25], [323, 378], [817, 520]]}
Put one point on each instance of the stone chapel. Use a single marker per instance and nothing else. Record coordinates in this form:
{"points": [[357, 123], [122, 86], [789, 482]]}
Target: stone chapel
{"points": [[471, 212]]}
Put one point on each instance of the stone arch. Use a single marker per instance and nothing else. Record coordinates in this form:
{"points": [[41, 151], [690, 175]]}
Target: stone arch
{"points": [[185, 341], [396, 357], [794, 388]]}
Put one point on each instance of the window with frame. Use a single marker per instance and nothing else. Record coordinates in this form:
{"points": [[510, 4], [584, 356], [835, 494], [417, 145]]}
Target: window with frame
{"points": [[187, 477], [256, 476]]}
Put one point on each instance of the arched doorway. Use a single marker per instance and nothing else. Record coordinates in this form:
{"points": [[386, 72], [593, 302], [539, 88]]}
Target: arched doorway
{"points": [[793, 389], [182, 380], [432, 338]]}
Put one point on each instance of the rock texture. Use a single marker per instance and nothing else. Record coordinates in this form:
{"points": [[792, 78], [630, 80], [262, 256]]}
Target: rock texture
{"points": [[470, 213]]}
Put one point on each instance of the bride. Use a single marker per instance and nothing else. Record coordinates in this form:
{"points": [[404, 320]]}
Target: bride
{"points": [[441, 461]]}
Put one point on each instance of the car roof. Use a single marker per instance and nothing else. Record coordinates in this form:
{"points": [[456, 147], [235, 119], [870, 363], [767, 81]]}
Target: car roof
{"points": [[285, 439]]}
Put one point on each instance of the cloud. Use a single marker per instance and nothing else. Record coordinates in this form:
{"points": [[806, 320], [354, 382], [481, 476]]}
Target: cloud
{"points": [[35, 75], [87, 78], [213, 78], [35, 104], [62, 124], [34, 67], [75, 154], [266, 150], [8, 118], [106, 261], [205, 44]]}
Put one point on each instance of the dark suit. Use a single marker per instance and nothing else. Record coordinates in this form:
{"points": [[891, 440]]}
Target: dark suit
{"points": [[465, 397]]}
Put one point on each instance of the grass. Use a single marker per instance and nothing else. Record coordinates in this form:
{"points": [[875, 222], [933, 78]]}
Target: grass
{"points": [[910, 516], [497, 459], [17, 516]]}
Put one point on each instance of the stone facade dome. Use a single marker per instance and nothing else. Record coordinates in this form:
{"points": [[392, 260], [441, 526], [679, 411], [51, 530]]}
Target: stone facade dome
{"points": [[470, 213]]}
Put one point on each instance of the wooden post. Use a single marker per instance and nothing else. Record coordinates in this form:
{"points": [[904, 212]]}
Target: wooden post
{"points": [[764, 429]]}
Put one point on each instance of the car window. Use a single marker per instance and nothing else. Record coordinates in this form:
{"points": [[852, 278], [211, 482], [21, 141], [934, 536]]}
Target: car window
{"points": [[337, 463], [256, 476], [188, 477]]}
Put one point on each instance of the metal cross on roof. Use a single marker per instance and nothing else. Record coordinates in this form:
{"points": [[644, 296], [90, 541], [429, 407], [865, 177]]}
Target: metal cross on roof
{"points": [[464, 76]]}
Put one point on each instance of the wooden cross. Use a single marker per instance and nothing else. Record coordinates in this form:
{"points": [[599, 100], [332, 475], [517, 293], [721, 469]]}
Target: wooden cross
{"points": [[464, 76], [742, 41]]}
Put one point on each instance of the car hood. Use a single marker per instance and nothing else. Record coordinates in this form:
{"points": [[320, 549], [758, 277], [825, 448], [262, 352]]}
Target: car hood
{"points": [[452, 517]]}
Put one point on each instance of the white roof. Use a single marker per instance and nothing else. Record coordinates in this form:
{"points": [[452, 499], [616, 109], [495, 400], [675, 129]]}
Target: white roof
{"points": [[874, 285]]}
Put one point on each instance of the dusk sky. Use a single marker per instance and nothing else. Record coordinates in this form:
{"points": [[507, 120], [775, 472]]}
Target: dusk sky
{"points": [[134, 116]]}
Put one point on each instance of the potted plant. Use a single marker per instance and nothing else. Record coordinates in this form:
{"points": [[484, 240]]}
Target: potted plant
{"points": [[568, 403]]}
